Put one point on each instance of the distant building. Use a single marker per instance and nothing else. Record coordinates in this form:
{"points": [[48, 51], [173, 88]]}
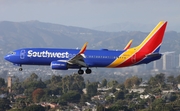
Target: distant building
{"points": [[139, 90], [9, 83]]}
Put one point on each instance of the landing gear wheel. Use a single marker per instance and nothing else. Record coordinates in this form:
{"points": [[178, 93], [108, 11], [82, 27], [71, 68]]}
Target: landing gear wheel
{"points": [[80, 72], [88, 71], [20, 69]]}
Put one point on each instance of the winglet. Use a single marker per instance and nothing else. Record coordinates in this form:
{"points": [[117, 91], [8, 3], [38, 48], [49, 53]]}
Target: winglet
{"points": [[83, 49], [128, 45]]}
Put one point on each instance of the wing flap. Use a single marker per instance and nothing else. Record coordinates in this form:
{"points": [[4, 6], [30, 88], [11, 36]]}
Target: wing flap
{"points": [[79, 58]]}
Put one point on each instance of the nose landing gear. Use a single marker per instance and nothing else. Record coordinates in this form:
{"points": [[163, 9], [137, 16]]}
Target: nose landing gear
{"points": [[20, 69]]}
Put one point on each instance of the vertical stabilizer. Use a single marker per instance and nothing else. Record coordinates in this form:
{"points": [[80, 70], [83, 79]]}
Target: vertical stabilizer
{"points": [[153, 41]]}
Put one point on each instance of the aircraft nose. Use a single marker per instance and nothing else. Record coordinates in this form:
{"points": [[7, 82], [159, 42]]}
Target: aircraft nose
{"points": [[7, 57]]}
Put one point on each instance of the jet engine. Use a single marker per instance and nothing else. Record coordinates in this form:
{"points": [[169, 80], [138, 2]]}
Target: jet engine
{"points": [[59, 65]]}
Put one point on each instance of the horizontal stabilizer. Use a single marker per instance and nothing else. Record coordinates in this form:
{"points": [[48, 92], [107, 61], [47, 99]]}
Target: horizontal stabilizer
{"points": [[154, 55]]}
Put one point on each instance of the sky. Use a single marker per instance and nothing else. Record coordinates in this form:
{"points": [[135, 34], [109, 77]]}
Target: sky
{"points": [[92, 13]]}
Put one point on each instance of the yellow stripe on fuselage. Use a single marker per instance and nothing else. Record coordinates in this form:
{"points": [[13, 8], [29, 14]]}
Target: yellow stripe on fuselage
{"points": [[130, 52], [123, 57]]}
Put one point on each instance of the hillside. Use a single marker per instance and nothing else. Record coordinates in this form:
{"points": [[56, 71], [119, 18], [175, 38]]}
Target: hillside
{"points": [[38, 34]]}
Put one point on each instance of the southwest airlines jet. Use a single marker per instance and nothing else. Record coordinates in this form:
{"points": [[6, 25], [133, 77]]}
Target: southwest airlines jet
{"points": [[64, 59]]}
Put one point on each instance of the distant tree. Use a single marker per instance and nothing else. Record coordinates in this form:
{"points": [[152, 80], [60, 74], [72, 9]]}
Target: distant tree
{"points": [[71, 96], [34, 108], [91, 89], [178, 79], [40, 84], [159, 105], [133, 81], [20, 103], [119, 105], [33, 76], [2, 82], [83, 99], [119, 95], [37, 94], [127, 83], [112, 83], [4, 104], [109, 99], [158, 80], [17, 87], [15, 110], [55, 79], [121, 86], [171, 79], [104, 83], [28, 91], [112, 90], [100, 107]]}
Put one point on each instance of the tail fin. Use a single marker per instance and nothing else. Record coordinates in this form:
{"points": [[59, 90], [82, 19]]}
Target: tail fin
{"points": [[153, 41], [128, 45]]}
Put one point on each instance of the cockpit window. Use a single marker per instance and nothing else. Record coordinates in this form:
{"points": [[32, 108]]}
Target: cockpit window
{"points": [[12, 53]]}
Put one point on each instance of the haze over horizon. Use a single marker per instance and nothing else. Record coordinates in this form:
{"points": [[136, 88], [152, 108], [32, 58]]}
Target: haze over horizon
{"points": [[92, 13]]}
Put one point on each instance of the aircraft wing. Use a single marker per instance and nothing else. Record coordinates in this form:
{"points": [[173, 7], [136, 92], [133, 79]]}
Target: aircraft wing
{"points": [[128, 45], [79, 58]]}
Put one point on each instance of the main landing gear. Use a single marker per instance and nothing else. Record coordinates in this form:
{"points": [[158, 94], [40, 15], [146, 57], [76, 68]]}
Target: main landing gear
{"points": [[88, 71]]}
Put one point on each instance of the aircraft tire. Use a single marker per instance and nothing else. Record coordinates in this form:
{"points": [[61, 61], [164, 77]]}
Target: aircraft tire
{"points": [[88, 71], [20, 69], [80, 72]]}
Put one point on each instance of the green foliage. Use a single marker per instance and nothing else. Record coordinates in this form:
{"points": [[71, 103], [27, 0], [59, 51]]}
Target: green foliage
{"points": [[55, 79], [33, 77], [34, 84], [4, 104], [104, 83], [112, 83], [100, 107], [71, 96], [84, 99], [119, 95], [158, 80], [171, 79], [20, 103], [2, 82], [15, 110], [34, 108], [109, 99], [119, 105], [160, 105], [133, 81], [91, 89], [63, 90], [37, 94], [178, 79], [73, 82]]}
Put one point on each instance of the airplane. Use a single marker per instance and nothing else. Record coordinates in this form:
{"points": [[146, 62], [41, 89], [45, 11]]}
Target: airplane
{"points": [[64, 59]]}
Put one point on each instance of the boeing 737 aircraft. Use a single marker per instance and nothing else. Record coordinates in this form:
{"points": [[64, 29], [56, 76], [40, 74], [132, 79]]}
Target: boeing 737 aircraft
{"points": [[64, 59]]}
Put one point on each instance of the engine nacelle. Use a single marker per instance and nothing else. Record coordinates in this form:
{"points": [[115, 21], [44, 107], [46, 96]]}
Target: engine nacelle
{"points": [[59, 65]]}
